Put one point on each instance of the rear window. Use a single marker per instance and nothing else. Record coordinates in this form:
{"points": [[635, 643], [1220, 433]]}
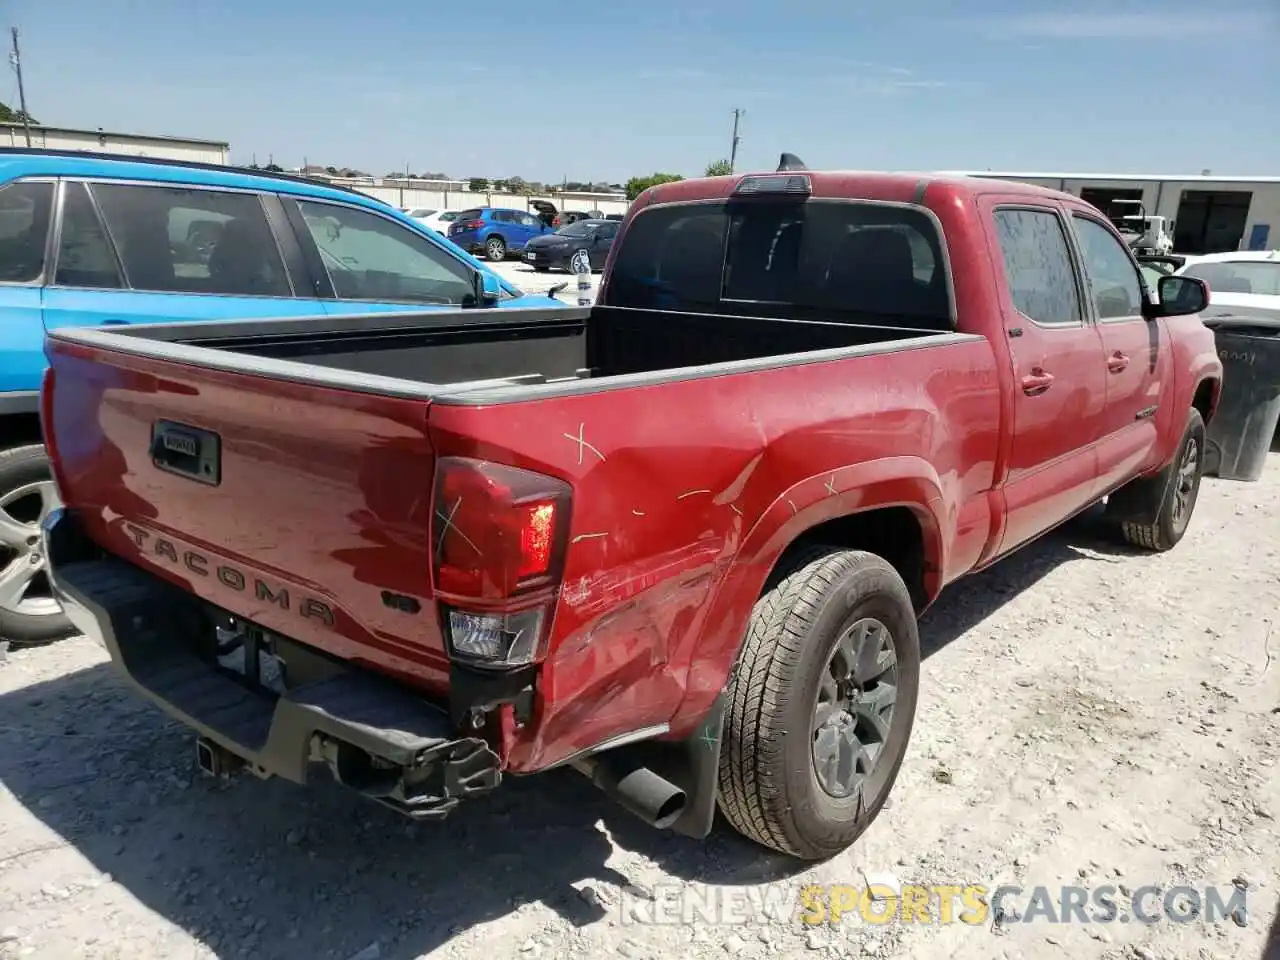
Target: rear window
{"points": [[474, 214], [860, 262], [1238, 276]]}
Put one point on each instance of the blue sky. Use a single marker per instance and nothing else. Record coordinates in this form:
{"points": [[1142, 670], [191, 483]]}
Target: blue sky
{"points": [[544, 91]]}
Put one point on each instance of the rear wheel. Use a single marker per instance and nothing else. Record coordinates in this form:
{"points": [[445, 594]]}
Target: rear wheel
{"points": [[28, 611], [821, 705], [495, 248]]}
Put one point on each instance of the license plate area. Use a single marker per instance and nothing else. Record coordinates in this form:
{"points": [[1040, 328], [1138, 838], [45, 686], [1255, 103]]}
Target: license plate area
{"points": [[187, 451]]}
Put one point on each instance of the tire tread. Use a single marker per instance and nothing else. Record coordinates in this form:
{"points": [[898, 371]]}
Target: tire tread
{"points": [[751, 785]]}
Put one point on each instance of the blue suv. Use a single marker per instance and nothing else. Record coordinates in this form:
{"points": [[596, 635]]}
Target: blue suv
{"points": [[88, 239], [496, 231]]}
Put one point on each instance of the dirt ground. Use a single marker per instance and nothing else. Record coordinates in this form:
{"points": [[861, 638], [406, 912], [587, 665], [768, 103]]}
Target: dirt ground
{"points": [[1088, 716]]}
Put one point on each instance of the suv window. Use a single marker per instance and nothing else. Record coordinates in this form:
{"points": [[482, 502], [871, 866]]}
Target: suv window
{"points": [[832, 260], [24, 230], [372, 258], [528, 220], [1037, 266], [85, 256], [1115, 285], [183, 240], [1238, 276]]}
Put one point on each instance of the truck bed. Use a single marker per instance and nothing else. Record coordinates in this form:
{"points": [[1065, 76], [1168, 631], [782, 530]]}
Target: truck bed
{"points": [[417, 354]]}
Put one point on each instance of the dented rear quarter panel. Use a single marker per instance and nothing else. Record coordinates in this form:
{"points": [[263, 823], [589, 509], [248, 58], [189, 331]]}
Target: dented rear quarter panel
{"points": [[685, 493]]}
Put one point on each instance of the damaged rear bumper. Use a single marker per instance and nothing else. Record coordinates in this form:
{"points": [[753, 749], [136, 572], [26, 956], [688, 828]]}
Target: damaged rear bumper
{"points": [[375, 737]]}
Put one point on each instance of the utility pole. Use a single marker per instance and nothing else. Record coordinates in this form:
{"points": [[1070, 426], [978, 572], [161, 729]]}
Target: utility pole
{"points": [[16, 60], [733, 150]]}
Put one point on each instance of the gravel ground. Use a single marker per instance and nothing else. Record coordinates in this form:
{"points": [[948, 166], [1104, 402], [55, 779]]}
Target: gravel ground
{"points": [[1088, 716]]}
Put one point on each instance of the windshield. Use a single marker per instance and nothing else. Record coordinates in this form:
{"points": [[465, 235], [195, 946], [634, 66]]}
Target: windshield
{"points": [[579, 229], [449, 216], [421, 212], [1238, 276]]}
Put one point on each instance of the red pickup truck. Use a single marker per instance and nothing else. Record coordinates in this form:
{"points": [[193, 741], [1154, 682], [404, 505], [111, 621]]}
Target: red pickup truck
{"points": [[678, 540]]}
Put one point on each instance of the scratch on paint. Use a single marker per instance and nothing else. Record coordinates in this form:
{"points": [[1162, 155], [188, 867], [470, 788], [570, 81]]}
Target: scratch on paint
{"points": [[589, 536], [734, 508], [638, 513], [450, 525], [583, 443], [831, 485], [792, 506], [691, 493]]}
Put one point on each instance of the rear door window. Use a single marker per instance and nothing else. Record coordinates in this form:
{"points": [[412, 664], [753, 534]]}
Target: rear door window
{"points": [[85, 255], [25, 213], [1037, 266], [183, 240], [858, 262]]}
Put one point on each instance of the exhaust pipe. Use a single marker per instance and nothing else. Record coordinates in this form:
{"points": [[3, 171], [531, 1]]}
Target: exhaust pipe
{"points": [[654, 799]]}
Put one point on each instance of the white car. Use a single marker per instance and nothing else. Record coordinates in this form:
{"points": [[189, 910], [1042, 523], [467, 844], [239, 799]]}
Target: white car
{"points": [[437, 220], [1242, 282]]}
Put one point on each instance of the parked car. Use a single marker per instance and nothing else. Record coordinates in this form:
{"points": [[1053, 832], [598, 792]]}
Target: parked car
{"points": [[678, 540], [1241, 283], [567, 217], [495, 231], [437, 220], [90, 239], [595, 237]]}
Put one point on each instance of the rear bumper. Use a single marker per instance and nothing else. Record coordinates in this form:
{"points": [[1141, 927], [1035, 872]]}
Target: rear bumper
{"points": [[375, 737]]}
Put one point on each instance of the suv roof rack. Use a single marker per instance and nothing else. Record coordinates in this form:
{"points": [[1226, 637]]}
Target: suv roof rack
{"points": [[185, 164]]}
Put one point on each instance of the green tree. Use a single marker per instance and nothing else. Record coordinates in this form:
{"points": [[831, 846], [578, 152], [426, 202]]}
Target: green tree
{"points": [[478, 184], [518, 185], [638, 185], [10, 115], [719, 168]]}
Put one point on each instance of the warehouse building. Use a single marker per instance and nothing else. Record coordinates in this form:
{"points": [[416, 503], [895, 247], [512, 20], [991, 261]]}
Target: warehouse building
{"points": [[103, 141], [1207, 214]]}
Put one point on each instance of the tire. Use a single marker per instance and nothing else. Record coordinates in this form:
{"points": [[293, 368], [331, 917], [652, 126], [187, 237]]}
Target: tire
{"points": [[770, 788], [1177, 491], [35, 616], [495, 249]]}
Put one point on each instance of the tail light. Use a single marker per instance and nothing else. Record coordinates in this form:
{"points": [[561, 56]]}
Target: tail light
{"points": [[468, 225], [499, 534]]}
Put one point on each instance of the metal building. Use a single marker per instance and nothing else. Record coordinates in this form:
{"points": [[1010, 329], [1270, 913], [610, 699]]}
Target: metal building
{"points": [[1208, 214], [103, 141]]}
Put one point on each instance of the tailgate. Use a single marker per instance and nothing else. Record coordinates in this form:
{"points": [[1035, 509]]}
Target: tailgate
{"points": [[305, 509]]}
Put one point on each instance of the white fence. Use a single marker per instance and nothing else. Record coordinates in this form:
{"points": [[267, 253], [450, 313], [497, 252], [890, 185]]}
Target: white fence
{"points": [[438, 196]]}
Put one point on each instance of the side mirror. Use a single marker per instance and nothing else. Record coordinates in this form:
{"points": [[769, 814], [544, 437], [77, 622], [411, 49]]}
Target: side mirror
{"points": [[490, 289], [1178, 297]]}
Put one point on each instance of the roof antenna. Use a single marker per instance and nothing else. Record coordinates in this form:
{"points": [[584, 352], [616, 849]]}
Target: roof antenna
{"points": [[789, 161]]}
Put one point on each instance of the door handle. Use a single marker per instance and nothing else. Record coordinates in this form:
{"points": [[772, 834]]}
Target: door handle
{"points": [[1117, 362], [1037, 382]]}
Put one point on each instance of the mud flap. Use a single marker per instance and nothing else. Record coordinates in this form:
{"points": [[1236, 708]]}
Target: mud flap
{"points": [[693, 765], [1139, 500]]}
